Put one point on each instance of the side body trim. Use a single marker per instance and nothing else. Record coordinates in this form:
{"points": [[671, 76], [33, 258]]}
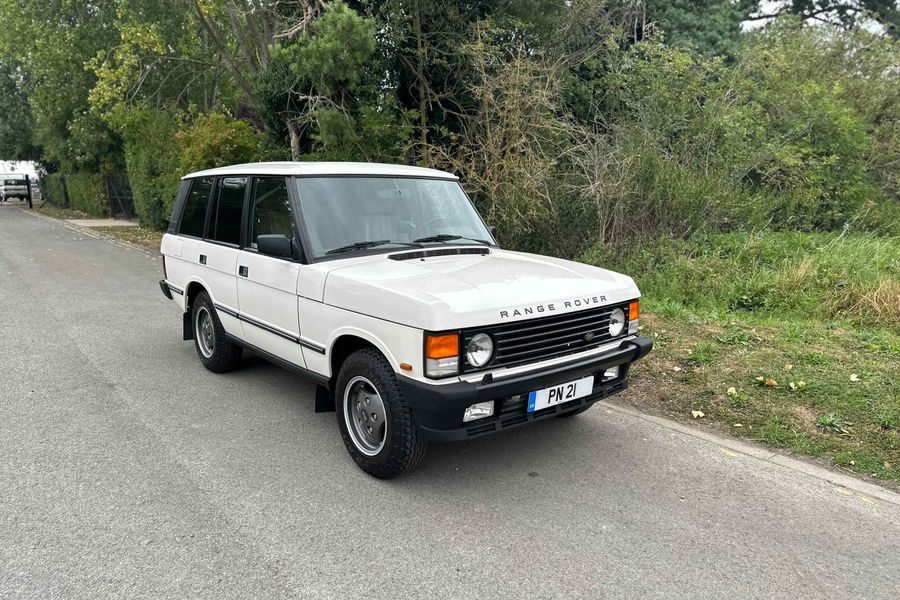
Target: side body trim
{"points": [[299, 340], [175, 289]]}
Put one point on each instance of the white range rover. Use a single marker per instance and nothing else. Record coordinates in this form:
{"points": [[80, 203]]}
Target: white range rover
{"points": [[383, 285]]}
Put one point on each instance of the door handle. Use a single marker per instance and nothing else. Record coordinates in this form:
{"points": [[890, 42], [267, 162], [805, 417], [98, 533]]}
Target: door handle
{"points": [[202, 259], [243, 271]]}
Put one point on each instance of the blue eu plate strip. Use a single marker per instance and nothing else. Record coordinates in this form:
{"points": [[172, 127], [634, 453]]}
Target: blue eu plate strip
{"points": [[531, 398]]}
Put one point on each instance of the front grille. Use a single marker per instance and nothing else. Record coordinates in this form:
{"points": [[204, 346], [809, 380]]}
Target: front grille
{"points": [[545, 338]]}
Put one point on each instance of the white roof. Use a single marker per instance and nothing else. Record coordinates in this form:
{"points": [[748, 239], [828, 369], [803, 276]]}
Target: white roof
{"points": [[322, 168]]}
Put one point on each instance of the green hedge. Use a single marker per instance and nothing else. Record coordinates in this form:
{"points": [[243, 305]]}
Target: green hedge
{"points": [[153, 157], [87, 193]]}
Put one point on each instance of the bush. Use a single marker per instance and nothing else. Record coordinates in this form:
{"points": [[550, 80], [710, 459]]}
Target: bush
{"points": [[217, 140], [682, 145], [87, 193], [858, 68], [153, 155], [811, 145], [567, 230]]}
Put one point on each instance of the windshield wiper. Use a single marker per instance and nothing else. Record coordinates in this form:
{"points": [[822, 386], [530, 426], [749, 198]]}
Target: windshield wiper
{"points": [[446, 237], [368, 244]]}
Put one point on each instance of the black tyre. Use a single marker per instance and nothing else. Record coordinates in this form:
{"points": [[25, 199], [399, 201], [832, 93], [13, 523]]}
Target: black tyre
{"points": [[377, 427], [216, 352]]}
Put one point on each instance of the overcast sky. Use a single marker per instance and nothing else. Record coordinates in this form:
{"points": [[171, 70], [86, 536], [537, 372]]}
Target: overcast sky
{"points": [[767, 7]]}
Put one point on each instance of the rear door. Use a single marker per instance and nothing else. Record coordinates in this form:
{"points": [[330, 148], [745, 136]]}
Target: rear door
{"points": [[219, 251], [183, 249], [267, 286]]}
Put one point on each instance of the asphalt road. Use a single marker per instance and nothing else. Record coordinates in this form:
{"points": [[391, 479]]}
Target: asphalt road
{"points": [[127, 470]]}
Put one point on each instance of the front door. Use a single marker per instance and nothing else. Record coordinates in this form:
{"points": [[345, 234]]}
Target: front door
{"points": [[267, 286]]}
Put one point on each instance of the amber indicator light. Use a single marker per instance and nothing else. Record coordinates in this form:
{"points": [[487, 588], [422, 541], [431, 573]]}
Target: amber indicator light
{"points": [[441, 346]]}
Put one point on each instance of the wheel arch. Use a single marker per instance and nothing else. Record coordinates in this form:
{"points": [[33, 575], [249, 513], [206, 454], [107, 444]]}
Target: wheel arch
{"points": [[348, 340], [191, 292], [341, 348]]}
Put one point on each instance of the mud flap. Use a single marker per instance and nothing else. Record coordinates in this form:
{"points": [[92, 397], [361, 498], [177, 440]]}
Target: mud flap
{"points": [[187, 325], [324, 399]]}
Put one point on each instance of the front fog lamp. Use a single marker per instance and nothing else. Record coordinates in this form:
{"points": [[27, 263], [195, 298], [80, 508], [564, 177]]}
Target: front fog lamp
{"points": [[479, 350], [616, 322], [479, 411]]}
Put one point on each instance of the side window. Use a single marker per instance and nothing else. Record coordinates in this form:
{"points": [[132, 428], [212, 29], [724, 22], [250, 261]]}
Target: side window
{"points": [[270, 209], [228, 206], [194, 215], [177, 210]]}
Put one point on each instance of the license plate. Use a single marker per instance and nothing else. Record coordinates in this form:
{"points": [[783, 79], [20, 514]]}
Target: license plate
{"points": [[564, 392]]}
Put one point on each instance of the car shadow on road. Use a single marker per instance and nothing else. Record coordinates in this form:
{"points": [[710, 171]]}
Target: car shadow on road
{"points": [[528, 451]]}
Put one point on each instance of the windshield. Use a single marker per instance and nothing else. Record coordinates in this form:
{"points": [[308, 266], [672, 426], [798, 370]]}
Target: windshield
{"points": [[344, 214]]}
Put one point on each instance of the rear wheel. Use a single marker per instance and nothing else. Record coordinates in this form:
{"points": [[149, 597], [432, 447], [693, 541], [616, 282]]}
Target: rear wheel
{"points": [[377, 427], [216, 351]]}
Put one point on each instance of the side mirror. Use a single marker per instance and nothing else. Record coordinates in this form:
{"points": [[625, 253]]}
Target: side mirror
{"points": [[275, 244], [493, 230]]}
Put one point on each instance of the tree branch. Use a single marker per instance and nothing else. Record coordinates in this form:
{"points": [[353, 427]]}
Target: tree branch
{"points": [[216, 37]]}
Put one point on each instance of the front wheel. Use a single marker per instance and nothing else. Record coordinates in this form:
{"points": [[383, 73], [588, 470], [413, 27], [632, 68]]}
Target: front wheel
{"points": [[376, 426]]}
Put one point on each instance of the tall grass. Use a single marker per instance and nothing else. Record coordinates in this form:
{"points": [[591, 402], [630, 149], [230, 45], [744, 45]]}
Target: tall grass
{"points": [[782, 274]]}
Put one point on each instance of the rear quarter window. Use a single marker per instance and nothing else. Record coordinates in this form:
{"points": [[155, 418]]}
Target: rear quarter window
{"points": [[194, 216]]}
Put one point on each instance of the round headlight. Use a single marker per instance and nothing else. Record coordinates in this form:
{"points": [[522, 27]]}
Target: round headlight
{"points": [[479, 349], [616, 322]]}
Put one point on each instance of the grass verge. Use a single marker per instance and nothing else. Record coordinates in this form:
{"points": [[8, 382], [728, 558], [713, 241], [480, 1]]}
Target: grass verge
{"points": [[60, 213], [788, 339], [143, 237]]}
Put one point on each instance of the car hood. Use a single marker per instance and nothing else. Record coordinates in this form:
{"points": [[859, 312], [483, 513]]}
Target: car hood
{"points": [[448, 292]]}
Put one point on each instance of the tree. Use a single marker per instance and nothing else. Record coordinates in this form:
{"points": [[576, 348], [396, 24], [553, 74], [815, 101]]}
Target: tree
{"points": [[162, 59], [509, 148], [708, 27], [420, 45], [321, 83], [50, 43], [245, 34], [16, 124]]}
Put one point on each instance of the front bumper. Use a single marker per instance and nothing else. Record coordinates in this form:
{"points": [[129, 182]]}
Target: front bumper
{"points": [[438, 409]]}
